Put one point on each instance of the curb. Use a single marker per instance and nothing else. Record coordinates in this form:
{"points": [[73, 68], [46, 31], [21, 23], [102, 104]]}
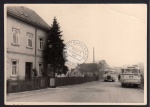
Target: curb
{"points": [[25, 94], [28, 93], [141, 87]]}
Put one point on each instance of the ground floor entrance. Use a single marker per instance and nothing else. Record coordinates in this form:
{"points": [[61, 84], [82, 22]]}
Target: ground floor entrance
{"points": [[28, 70]]}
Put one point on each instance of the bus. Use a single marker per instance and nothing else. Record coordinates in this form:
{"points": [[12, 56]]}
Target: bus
{"points": [[109, 75], [130, 75]]}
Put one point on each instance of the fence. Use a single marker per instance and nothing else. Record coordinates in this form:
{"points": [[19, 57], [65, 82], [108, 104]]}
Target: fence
{"points": [[39, 83], [74, 80], [26, 85]]}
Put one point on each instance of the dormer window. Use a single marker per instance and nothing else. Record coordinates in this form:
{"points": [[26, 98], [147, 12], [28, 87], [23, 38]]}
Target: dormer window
{"points": [[23, 13], [26, 15], [20, 12]]}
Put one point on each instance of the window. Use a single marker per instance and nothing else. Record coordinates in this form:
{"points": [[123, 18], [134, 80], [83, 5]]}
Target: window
{"points": [[40, 68], [106, 72], [26, 15], [29, 40], [16, 34], [20, 12], [128, 71], [41, 43], [14, 67], [135, 71], [112, 73]]}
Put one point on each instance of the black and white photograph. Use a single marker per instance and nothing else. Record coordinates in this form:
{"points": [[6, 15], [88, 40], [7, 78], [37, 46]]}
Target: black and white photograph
{"points": [[75, 54]]}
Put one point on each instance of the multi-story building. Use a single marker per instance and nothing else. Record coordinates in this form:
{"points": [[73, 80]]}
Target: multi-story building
{"points": [[26, 38]]}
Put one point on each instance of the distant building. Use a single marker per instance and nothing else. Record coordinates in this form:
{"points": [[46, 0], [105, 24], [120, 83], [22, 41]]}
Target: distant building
{"points": [[26, 37], [76, 73], [86, 69], [102, 65], [89, 69]]}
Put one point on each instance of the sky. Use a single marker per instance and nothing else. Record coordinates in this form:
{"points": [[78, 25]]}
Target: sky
{"points": [[118, 32]]}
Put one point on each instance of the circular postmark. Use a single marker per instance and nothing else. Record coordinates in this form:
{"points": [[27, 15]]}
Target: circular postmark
{"points": [[75, 52]]}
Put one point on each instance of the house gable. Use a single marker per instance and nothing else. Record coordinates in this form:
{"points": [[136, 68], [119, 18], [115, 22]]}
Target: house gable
{"points": [[27, 15]]}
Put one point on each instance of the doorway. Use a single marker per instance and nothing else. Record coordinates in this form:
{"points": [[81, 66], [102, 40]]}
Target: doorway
{"points": [[28, 70]]}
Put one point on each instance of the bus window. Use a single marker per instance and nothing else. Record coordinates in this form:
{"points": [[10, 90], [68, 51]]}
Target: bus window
{"points": [[112, 72], [106, 72], [127, 70], [122, 70], [135, 70]]}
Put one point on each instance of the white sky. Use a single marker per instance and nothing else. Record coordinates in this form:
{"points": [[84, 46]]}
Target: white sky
{"points": [[118, 32]]}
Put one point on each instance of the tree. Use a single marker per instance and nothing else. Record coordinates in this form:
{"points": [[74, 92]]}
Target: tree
{"points": [[54, 50], [102, 65]]}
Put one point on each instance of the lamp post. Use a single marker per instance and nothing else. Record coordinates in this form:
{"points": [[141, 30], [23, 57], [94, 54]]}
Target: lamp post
{"points": [[52, 77]]}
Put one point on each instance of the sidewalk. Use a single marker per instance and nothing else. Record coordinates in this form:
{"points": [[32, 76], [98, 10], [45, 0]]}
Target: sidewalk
{"points": [[141, 86], [10, 96], [29, 93]]}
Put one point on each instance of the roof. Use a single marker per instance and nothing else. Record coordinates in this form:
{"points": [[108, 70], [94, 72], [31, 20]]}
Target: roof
{"points": [[130, 67], [111, 70], [89, 67], [27, 15], [72, 70]]}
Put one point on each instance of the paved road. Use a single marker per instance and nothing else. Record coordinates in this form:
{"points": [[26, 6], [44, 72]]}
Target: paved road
{"points": [[97, 92]]}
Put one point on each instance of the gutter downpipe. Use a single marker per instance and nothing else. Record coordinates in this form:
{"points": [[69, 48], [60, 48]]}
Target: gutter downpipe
{"points": [[35, 44]]}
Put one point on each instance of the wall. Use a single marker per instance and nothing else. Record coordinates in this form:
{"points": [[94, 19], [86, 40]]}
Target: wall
{"points": [[76, 73], [21, 52], [21, 62]]}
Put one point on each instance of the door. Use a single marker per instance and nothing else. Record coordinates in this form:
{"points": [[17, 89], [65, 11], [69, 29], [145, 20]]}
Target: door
{"points": [[28, 70]]}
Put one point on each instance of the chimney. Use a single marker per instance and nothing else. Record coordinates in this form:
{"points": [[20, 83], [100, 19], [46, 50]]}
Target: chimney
{"points": [[93, 56]]}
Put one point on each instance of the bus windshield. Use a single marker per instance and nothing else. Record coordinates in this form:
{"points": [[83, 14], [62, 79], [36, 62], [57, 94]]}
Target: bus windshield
{"points": [[131, 71], [109, 72], [135, 71], [127, 71]]}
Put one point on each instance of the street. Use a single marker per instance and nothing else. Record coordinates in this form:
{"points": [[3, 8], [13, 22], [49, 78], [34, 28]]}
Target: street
{"points": [[96, 91]]}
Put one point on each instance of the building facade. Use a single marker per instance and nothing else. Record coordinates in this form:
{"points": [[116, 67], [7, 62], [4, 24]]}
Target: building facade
{"points": [[26, 38], [76, 73]]}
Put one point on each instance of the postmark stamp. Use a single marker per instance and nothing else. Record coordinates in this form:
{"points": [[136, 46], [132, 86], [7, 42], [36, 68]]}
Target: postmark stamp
{"points": [[75, 52]]}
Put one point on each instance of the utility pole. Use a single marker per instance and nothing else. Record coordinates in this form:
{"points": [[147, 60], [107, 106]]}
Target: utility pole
{"points": [[93, 56]]}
